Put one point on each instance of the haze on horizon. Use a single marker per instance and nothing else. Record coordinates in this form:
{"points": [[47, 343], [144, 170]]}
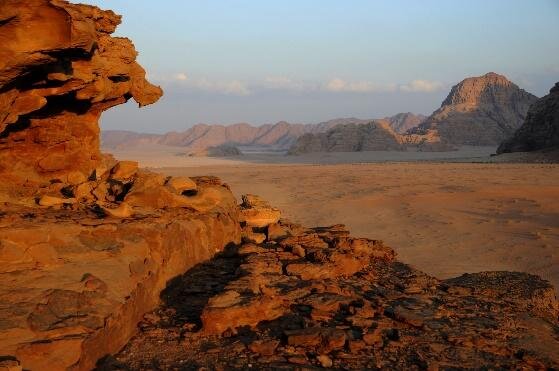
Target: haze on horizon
{"points": [[310, 61]]}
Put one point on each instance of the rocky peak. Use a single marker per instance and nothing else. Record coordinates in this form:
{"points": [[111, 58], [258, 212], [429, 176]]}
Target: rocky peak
{"points": [[481, 110], [479, 90]]}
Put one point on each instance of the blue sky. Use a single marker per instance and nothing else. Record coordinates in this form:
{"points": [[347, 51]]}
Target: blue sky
{"points": [[311, 60]]}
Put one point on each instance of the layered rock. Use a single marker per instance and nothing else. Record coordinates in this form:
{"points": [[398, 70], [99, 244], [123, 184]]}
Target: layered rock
{"points": [[54, 86], [317, 297], [374, 136], [402, 122], [79, 273], [86, 243], [482, 110], [540, 130]]}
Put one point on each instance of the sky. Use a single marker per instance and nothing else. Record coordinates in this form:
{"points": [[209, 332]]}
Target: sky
{"points": [[307, 61]]}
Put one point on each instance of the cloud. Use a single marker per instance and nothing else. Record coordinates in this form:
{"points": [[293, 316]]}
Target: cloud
{"points": [[424, 86], [181, 76], [285, 83], [233, 87], [338, 85]]}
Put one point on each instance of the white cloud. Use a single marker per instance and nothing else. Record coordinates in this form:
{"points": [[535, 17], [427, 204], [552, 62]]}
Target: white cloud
{"points": [[338, 85], [234, 87], [282, 83], [424, 86], [181, 76], [285, 83]]}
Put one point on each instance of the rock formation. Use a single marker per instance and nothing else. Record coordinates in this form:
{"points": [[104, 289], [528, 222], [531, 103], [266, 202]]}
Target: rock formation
{"points": [[307, 298], [540, 130], [89, 246], [223, 150], [86, 243], [402, 122], [54, 86], [482, 110], [280, 136], [374, 136]]}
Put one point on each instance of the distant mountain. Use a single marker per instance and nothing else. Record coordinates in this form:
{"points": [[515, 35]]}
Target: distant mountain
{"points": [[482, 110], [279, 136], [540, 130], [376, 135], [403, 122]]}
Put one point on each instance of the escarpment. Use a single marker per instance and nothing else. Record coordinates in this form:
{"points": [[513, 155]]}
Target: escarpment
{"points": [[86, 243]]}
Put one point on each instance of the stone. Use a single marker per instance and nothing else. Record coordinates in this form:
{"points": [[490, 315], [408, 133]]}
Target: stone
{"points": [[123, 210], [124, 170], [379, 314], [264, 347], [80, 72], [482, 110], [256, 212], [249, 236], [540, 129], [47, 200], [11, 364], [375, 136], [181, 185], [324, 361]]}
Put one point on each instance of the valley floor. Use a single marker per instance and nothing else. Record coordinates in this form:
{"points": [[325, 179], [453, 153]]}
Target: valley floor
{"points": [[445, 218]]}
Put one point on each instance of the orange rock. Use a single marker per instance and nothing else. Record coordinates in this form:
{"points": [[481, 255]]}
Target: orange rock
{"points": [[51, 129]]}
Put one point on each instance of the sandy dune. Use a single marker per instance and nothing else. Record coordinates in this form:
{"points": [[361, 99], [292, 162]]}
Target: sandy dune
{"points": [[445, 218]]}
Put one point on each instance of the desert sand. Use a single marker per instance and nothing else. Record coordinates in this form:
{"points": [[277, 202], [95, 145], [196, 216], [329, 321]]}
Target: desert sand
{"points": [[440, 211]]}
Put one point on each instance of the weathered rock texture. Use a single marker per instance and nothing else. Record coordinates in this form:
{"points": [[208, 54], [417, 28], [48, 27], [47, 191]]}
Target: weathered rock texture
{"points": [[310, 298], [86, 243], [402, 122], [59, 70], [482, 110], [78, 272], [540, 130], [374, 136]]}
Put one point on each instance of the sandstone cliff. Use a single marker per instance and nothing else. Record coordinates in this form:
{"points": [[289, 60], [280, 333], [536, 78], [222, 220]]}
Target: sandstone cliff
{"points": [[54, 86], [482, 110], [540, 130], [86, 243], [374, 136]]}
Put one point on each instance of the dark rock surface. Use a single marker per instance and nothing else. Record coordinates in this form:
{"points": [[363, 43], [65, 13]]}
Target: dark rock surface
{"points": [[540, 130]]}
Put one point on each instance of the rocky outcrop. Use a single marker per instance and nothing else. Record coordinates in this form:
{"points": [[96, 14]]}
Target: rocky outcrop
{"points": [[316, 297], [223, 150], [79, 272], [540, 130], [86, 243], [54, 86], [374, 136], [402, 122], [482, 110]]}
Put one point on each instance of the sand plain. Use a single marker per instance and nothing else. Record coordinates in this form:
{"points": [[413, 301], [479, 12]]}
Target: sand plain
{"points": [[447, 215]]}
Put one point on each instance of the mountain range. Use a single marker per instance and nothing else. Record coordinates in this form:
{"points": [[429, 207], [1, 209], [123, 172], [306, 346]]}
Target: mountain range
{"points": [[279, 136]]}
